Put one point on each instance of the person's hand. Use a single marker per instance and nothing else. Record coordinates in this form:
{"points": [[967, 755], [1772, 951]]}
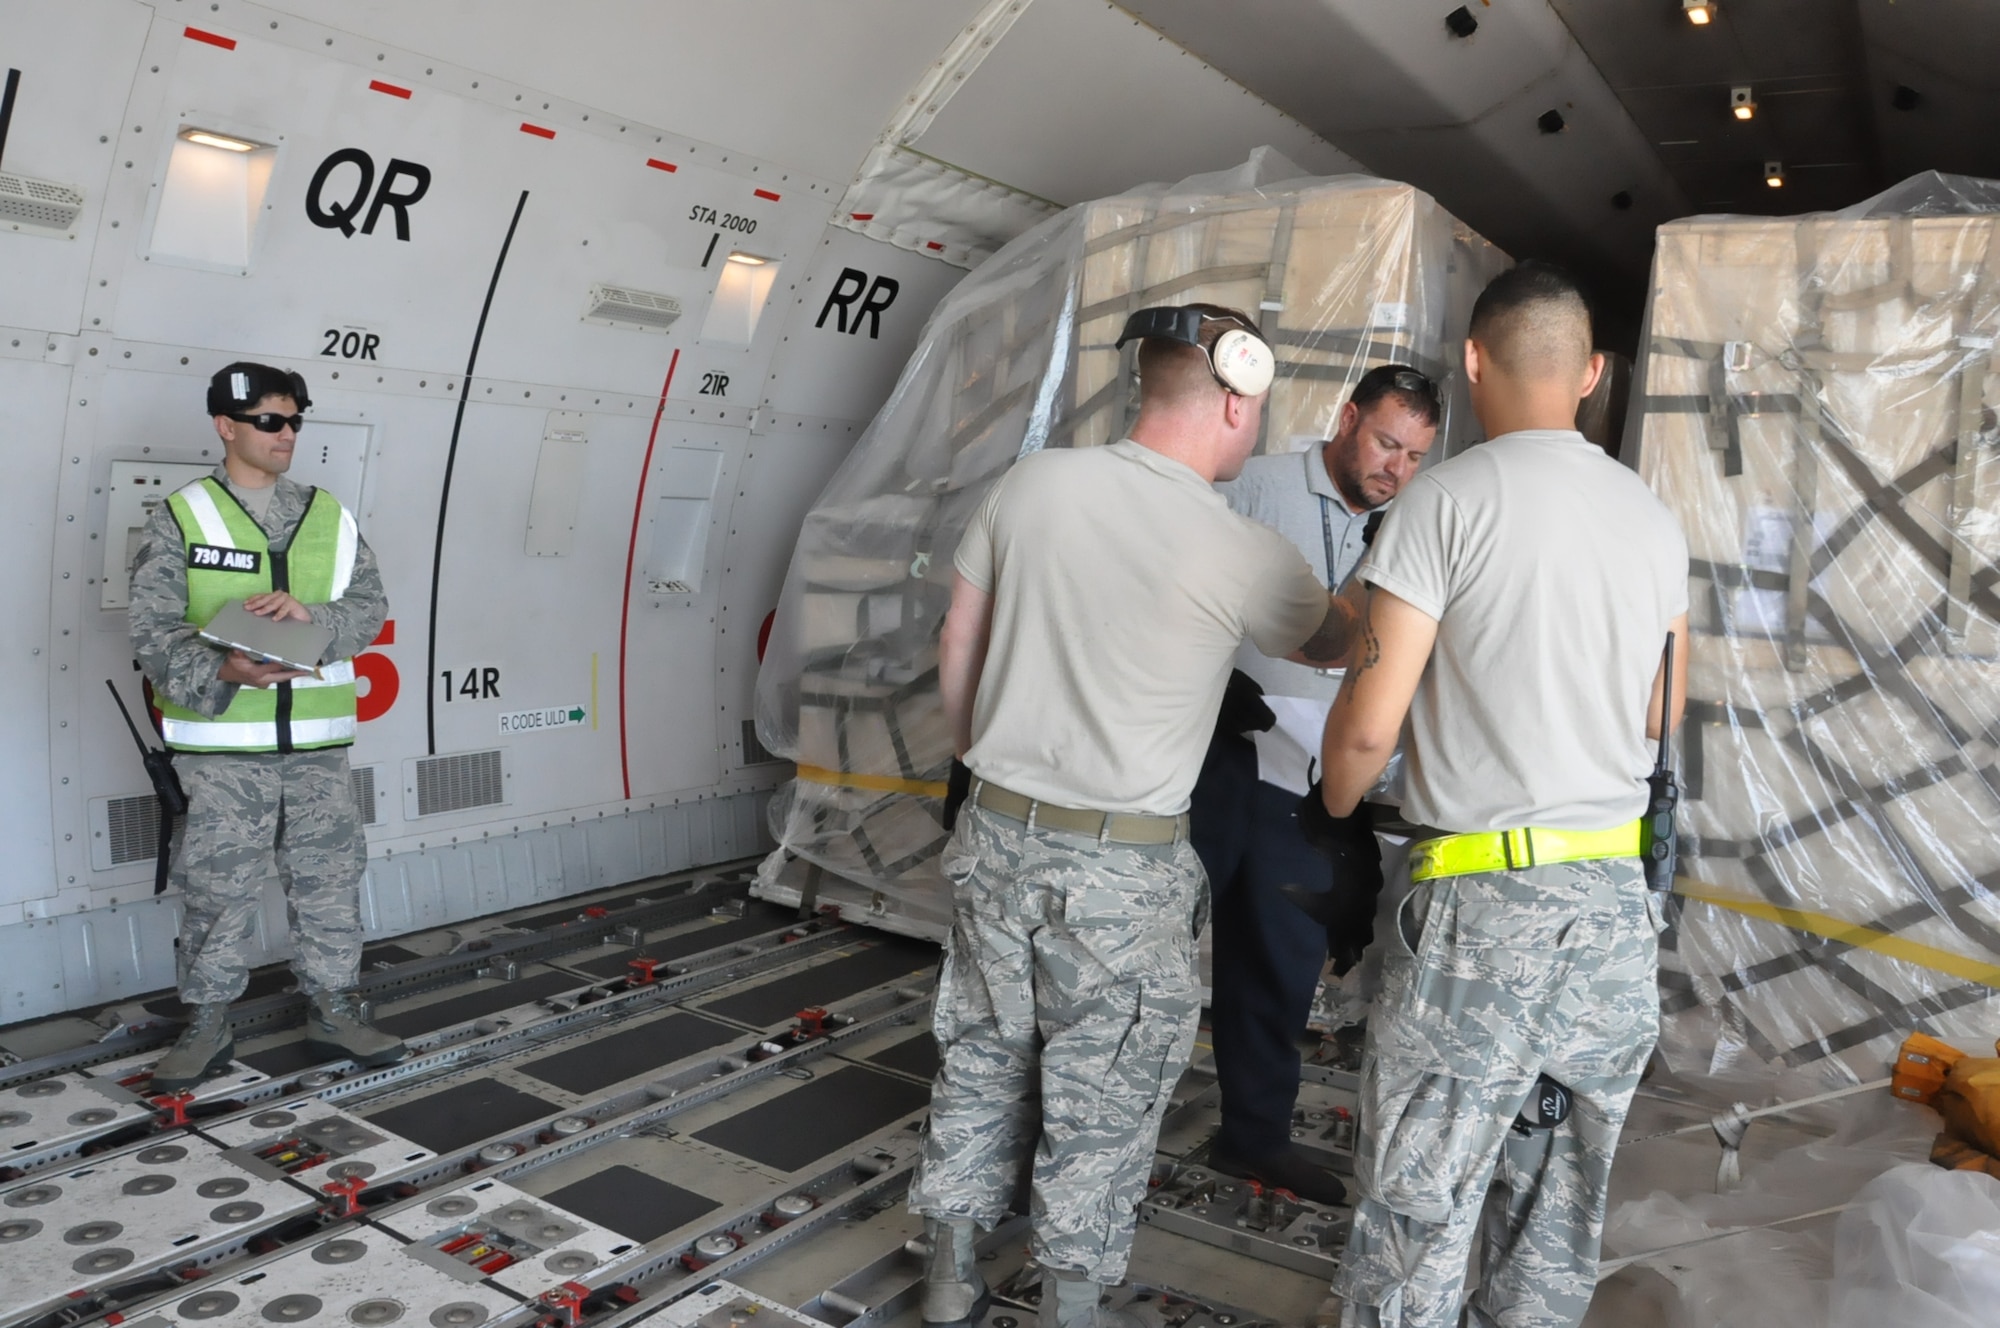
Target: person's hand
{"points": [[277, 605], [1347, 908], [244, 671]]}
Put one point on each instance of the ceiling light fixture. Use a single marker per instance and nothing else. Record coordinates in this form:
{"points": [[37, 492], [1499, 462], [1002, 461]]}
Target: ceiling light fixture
{"points": [[209, 139], [1461, 22], [748, 260], [1742, 104], [1699, 12], [1774, 174]]}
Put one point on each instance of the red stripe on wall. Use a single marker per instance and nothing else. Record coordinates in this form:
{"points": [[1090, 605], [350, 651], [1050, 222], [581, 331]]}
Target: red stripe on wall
{"points": [[537, 130], [659, 165], [377, 85], [631, 554], [212, 38], [765, 193]]}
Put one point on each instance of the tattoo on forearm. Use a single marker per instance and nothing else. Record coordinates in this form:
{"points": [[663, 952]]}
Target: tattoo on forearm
{"points": [[1371, 645]]}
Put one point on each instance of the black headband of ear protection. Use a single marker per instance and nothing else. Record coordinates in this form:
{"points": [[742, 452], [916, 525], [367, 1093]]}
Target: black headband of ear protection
{"points": [[1176, 322]]}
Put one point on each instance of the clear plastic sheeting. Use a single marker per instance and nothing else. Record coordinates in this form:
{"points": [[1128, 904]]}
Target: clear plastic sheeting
{"points": [[1816, 400], [1788, 1247], [1344, 274], [1920, 1246]]}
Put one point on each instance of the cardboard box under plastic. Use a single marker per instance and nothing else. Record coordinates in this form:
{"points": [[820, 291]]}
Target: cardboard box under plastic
{"points": [[1343, 275], [1816, 402]]}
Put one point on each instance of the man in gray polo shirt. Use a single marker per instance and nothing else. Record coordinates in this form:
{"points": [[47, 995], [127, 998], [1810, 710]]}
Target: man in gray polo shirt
{"points": [[1518, 599], [1099, 597], [1267, 954]]}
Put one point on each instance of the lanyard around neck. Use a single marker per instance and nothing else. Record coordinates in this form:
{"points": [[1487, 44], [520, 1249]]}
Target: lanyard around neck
{"points": [[1326, 533]]}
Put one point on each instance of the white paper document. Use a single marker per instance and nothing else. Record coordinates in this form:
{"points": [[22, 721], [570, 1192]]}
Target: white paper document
{"points": [[1285, 749]]}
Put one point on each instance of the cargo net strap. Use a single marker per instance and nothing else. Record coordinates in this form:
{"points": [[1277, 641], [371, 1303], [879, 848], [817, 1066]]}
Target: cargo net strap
{"points": [[1864, 793]]}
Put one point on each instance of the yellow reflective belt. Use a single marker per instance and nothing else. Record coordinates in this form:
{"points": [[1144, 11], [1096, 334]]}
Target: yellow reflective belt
{"points": [[1511, 850], [923, 788]]}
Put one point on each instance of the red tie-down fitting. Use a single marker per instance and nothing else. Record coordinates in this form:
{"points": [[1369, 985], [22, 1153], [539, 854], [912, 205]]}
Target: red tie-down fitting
{"points": [[597, 911], [572, 1302], [642, 971], [345, 1194], [812, 1022], [565, 1303], [173, 1108]]}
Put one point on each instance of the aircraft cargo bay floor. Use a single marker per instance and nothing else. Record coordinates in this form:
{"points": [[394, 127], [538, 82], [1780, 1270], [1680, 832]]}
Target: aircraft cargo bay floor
{"points": [[650, 1104]]}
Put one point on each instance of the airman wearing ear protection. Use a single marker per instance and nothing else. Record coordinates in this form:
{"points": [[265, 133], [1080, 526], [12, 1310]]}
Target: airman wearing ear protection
{"points": [[1100, 595]]}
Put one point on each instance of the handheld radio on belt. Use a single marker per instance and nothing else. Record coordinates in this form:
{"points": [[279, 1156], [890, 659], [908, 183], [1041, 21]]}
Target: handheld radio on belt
{"points": [[1656, 840], [166, 787]]}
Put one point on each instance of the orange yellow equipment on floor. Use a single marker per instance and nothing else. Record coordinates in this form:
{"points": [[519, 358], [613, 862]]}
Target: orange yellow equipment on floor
{"points": [[1963, 1089]]}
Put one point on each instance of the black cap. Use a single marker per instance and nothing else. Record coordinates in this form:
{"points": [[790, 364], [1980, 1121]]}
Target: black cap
{"points": [[242, 385]]}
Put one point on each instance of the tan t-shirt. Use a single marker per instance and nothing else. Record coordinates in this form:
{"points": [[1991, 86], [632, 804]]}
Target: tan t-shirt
{"points": [[1552, 572], [1121, 585]]}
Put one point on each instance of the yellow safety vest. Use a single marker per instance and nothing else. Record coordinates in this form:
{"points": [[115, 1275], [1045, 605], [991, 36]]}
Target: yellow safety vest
{"points": [[229, 558]]}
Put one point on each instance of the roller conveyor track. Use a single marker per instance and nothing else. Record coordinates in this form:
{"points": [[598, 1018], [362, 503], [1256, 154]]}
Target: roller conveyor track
{"points": [[603, 1150], [626, 916], [309, 1133]]}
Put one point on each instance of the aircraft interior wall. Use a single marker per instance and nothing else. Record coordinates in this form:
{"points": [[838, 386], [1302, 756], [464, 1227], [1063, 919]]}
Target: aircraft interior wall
{"points": [[588, 319]]}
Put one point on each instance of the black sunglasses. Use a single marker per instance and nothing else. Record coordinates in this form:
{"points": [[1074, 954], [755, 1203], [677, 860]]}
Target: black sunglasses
{"points": [[272, 422]]}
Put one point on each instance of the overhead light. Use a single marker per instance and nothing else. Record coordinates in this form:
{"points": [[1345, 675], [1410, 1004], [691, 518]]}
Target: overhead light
{"points": [[1461, 22], [1550, 122], [1742, 104], [209, 139], [1774, 174], [1699, 12], [748, 260]]}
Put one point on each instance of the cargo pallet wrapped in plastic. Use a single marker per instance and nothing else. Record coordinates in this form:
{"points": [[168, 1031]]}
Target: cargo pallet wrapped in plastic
{"points": [[1344, 274], [1815, 400]]}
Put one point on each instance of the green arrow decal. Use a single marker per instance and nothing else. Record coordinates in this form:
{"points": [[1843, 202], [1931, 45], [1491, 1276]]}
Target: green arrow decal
{"points": [[576, 715]]}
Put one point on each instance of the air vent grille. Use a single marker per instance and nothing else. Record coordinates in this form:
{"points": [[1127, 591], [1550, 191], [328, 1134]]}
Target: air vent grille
{"points": [[362, 779], [31, 204], [755, 752], [623, 306], [132, 825], [454, 783]]}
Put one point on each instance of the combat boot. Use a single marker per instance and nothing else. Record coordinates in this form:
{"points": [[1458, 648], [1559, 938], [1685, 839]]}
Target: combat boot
{"points": [[205, 1044], [954, 1292], [334, 1028], [1071, 1300]]}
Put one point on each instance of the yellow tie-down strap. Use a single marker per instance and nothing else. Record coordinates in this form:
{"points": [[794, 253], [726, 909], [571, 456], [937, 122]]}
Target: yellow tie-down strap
{"points": [[1960, 966], [922, 788], [1512, 850]]}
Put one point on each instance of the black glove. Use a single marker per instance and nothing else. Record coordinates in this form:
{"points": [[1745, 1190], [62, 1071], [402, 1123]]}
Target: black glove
{"points": [[957, 788], [1347, 911], [1243, 709]]}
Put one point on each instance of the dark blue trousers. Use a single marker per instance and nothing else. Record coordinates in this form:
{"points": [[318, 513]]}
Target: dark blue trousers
{"points": [[1268, 954]]}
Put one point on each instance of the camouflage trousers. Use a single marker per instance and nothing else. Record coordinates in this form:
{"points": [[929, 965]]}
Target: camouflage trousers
{"points": [[1066, 1011], [245, 811], [1491, 980]]}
